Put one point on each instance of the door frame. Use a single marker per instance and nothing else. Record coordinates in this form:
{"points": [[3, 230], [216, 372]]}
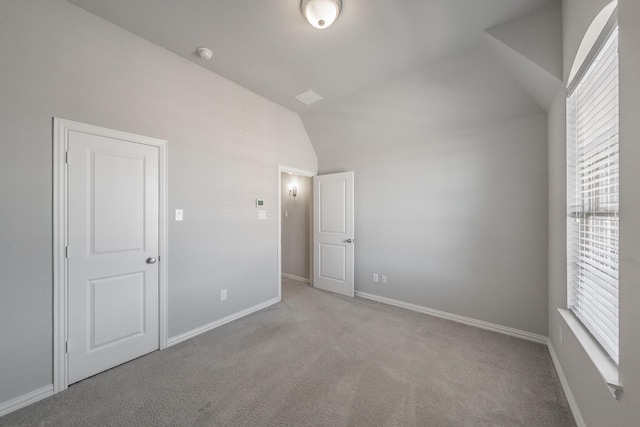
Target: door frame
{"points": [[61, 129], [299, 172]]}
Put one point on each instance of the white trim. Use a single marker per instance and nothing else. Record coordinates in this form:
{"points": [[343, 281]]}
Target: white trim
{"points": [[163, 242], [565, 387], [456, 318], [297, 278], [599, 357], [26, 399], [59, 261], [299, 172], [206, 328], [61, 128]]}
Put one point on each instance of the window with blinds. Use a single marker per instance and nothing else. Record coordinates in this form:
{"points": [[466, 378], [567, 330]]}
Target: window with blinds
{"points": [[593, 201]]}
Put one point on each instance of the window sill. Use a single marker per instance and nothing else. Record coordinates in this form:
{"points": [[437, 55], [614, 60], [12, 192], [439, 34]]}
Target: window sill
{"points": [[603, 363]]}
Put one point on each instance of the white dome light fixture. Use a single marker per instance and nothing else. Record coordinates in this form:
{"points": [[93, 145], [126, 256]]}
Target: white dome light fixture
{"points": [[321, 13]]}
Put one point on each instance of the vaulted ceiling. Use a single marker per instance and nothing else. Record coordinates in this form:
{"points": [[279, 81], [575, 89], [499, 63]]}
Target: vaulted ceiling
{"points": [[268, 47], [385, 68]]}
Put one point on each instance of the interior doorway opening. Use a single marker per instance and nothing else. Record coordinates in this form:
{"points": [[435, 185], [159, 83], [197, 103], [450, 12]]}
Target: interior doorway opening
{"points": [[295, 207], [295, 216]]}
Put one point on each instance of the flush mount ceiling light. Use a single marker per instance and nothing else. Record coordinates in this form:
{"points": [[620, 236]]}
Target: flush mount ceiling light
{"points": [[321, 13]]}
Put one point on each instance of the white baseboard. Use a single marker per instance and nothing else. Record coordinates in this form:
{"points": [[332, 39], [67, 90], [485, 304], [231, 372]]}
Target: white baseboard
{"points": [[565, 387], [460, 319], [26, 399], [297, 278], [205, 328]]}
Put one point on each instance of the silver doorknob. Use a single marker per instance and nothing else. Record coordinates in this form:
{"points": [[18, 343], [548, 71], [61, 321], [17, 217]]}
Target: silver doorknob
{"points": [[350, 240], [151, 260]]}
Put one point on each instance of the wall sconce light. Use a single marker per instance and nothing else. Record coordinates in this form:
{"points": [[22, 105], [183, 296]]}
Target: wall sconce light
{"points": [[293, 191], [321, 13]]}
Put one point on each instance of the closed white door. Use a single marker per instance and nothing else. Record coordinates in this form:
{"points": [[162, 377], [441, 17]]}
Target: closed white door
{"points": [[113, 219], [333, 233]]}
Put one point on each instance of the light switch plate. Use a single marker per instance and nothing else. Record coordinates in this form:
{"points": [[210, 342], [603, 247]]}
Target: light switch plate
{"points": [[179, 215], [262, 214]]}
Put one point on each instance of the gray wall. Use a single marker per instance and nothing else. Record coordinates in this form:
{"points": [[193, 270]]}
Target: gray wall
{"points": [[296, 227], [595, 402], [225, 145], [450, 191]]}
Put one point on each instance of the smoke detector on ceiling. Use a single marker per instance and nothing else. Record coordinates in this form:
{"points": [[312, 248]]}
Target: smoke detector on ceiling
{"points": [[204, 53], [308, 97]]}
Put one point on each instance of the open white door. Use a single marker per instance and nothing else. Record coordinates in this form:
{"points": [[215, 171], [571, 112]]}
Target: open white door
{"points": [[333, 233]]}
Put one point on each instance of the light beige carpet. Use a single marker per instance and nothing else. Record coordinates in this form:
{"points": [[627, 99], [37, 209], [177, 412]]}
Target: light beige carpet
{"points": [[317, 359]]}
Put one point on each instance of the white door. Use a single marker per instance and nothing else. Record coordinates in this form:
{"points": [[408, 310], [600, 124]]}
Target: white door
{"points": [[113, 220], [333, 234]]}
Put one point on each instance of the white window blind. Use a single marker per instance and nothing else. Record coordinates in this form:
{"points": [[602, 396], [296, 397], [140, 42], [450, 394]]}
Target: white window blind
{"points": [[593, 197]]}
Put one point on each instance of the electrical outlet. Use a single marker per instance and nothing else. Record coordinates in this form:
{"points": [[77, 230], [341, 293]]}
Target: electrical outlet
{"points": [[384, 279], [223, 295], [375, 277]]}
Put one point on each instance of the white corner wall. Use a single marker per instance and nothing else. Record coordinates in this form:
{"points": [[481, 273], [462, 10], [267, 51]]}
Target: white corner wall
{"points": [[225, 145]]}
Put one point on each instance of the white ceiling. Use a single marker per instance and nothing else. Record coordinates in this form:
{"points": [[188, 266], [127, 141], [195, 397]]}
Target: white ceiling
{"points": [[268, 47]]}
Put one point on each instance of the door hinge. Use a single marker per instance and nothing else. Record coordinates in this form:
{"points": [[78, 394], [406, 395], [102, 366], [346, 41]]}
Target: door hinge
{"points": [[66, 157], [66, 347], [66, 252]]}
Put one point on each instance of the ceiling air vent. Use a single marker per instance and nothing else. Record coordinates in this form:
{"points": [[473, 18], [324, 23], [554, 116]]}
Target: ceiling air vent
{"points": [[308, 97]]}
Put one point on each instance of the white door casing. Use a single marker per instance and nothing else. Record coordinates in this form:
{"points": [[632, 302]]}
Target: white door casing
{"points": [[109, 288], [333, 232]]}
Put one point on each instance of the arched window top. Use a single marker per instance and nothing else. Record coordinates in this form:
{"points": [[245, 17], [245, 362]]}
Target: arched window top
{"points": [[592, 41]]}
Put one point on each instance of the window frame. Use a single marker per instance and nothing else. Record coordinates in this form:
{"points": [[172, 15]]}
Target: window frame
{"points": [[605, 362]]}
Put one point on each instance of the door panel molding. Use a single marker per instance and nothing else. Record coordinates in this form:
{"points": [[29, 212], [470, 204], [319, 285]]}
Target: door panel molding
{"points": [[61, 131]]}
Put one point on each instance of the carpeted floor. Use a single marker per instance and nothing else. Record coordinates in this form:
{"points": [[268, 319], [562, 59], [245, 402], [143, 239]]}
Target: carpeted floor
{"points": [[319, 359]]}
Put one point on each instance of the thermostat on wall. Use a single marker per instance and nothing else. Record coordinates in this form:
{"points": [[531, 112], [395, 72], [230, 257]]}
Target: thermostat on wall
{"points": [[259, 203]]}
